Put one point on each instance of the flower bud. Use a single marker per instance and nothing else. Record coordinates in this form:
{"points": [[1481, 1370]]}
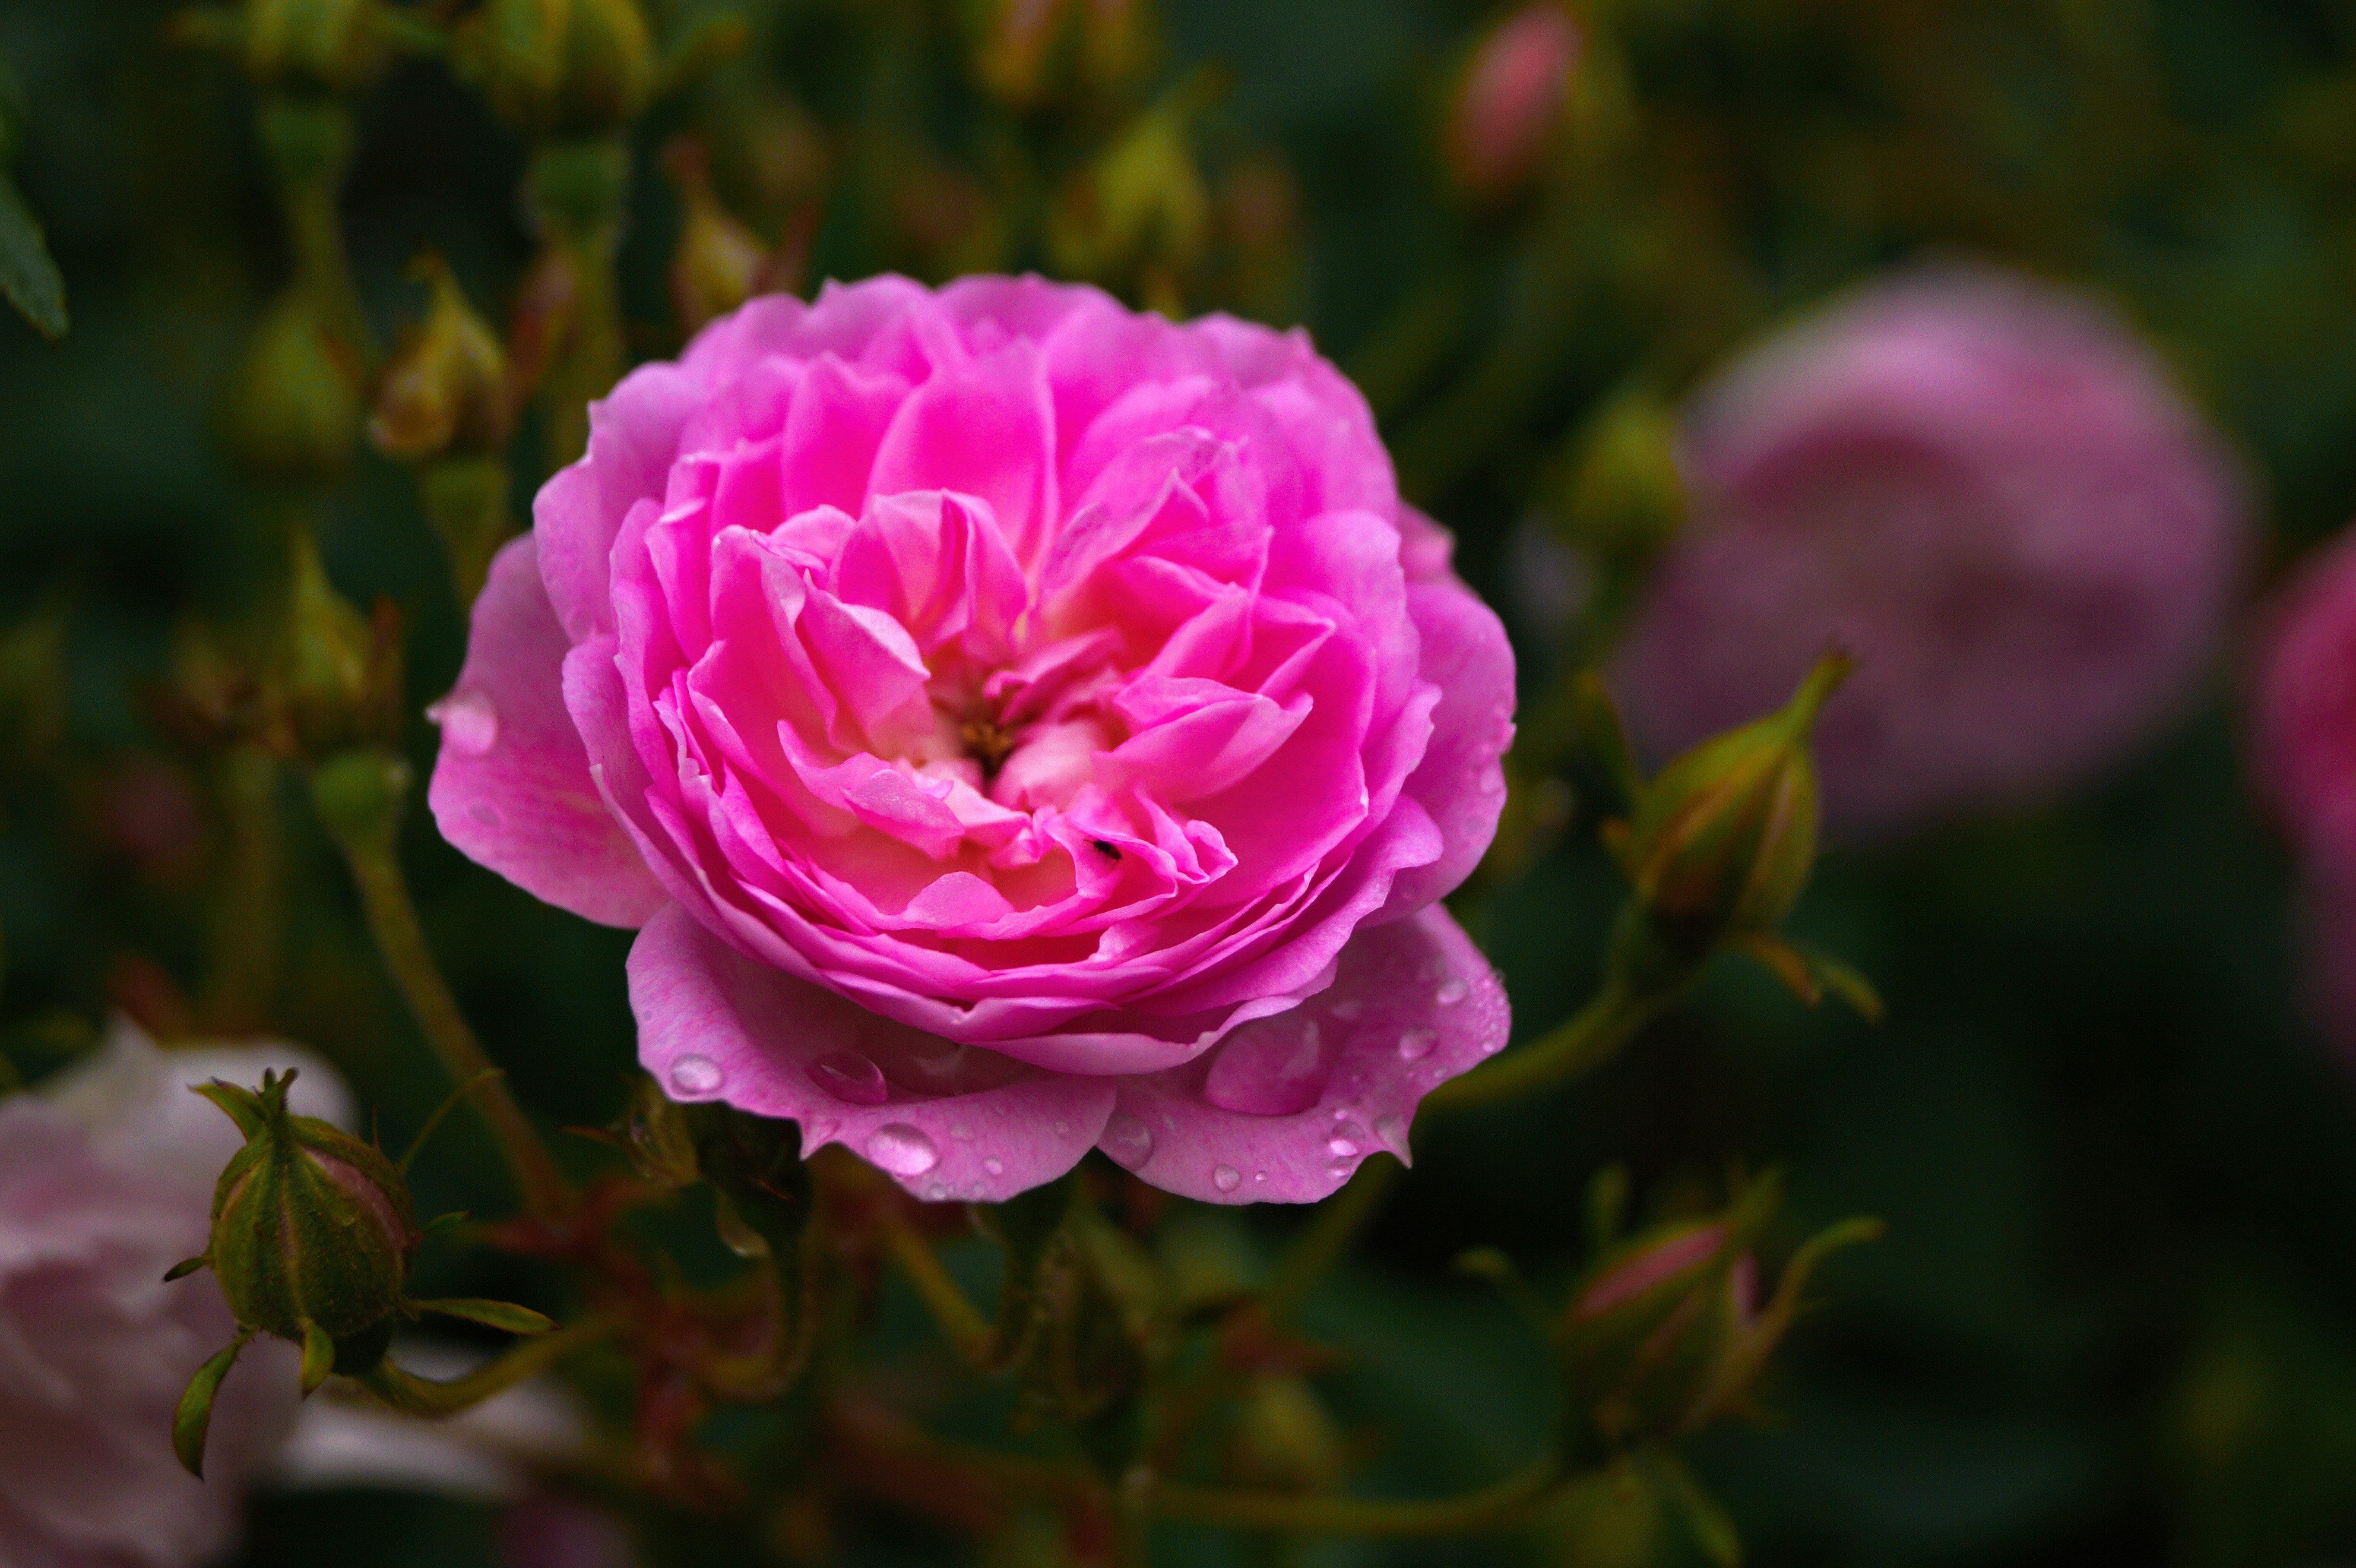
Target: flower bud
{"points": [[338, 676], [1722, 842], [445, 391], [718, 261], [1667, 1333], [330, 45], [560, 68], [1624, 499], [1511, 98], [311, 1228], [295, 410], [1141, 205]]}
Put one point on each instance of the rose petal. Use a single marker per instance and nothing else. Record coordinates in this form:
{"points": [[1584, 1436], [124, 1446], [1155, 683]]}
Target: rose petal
{"points": [[714, 1025], [1413, 1005], [511, 786], [1460, 780]]}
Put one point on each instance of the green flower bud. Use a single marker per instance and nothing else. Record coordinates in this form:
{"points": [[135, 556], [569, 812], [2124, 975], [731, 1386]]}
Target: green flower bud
{"points": [[312, 1228], [328, 46], [446, 391], [560, 68], [1624, 499], [718, 263], [295, 410], [337, 675], [1666, 1333], [1722, 842]]}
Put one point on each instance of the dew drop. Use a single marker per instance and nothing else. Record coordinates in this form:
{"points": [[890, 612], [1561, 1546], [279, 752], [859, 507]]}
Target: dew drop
{"points": [[935, 1192], [1227, 1178], [470, 725], [1346, 1141], [1452, 992], [1063, 1129], [902, 1149], [1494, 1044], [820, 1130], [1493, 782], [1260, 1175], [484, 812], [695, 1075], [850, 1077], [961, 1132], [1392, 1130], [1417, 1043], [1128, 1141], [995, 1166]]}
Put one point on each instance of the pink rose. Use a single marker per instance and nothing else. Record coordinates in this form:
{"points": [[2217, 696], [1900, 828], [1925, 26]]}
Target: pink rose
{"points": [[1016, 724], [1989, 491], [106, 1180]]}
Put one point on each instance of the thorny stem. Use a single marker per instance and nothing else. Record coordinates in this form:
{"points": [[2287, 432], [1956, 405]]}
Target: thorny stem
{"points": [[412, 1395], [1492, 1507], [944, 1299], [1587, 1040], [393, 922]]}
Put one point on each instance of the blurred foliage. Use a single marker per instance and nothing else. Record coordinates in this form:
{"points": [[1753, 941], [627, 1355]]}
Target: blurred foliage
{"points": [[2115, 1319]]}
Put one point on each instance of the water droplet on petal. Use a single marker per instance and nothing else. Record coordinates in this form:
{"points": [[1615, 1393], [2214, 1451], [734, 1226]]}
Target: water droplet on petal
{"points": [[1063, 1129], [1260, 1175], [820, 1130], [1272, 1068], [484, 812], [1417, 1043], [470, 725], [995, 1166], [1226, 1178], [1452, 992], [695, 1075], [961, 1132], [1128, 1141], [1392, 1130], [902, 1149], [1494, 1044], [1493, 782], [1346, 1140], [935, 1192], [848, 1076]]}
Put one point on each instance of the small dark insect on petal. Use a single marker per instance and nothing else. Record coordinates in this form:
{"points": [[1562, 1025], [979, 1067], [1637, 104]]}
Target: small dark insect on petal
{"points": [[1101, 847]]}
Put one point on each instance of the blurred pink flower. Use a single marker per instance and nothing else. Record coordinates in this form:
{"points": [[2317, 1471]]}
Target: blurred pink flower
{"points": [[1017, 724], [106, 1180], [1512, 95], [2302, 747], [1988, 490]]}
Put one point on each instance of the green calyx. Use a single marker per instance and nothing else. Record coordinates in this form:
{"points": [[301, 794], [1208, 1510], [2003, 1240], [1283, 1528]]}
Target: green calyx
{"points": [[560, 68], [1722, 842], [312, 1228]]}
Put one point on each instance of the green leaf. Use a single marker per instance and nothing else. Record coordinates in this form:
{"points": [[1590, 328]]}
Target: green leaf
{"points": [[444, 1224], [28, 275], [1713, 1531], [195, 1416], [319, 1357], [239, 1105], [491, 1314], [184, 1268]]}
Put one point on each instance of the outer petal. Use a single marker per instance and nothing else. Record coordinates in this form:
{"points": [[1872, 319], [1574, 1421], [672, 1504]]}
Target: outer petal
{"points": [[1414, 1004], [1459, 782], [714, 1025], [511, 786]]}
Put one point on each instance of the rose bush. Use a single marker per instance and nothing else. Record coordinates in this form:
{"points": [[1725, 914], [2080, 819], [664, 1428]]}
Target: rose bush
{"points": [[106, 1179], [1016, 724], [1987, 489]]}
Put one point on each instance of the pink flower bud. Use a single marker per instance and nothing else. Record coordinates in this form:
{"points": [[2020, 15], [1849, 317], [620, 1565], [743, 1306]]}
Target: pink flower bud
{"points": [[1512, 94]]}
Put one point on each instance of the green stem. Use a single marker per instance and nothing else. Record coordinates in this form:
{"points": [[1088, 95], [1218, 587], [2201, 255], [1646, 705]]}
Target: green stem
{"points": [[1591, 1038], [412, 1395], [944, 1299], [359, 796], [1491, 1508]]}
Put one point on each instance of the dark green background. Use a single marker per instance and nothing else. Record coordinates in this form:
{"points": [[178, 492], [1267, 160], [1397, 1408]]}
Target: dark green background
{"points": [[2115, 1319]]}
